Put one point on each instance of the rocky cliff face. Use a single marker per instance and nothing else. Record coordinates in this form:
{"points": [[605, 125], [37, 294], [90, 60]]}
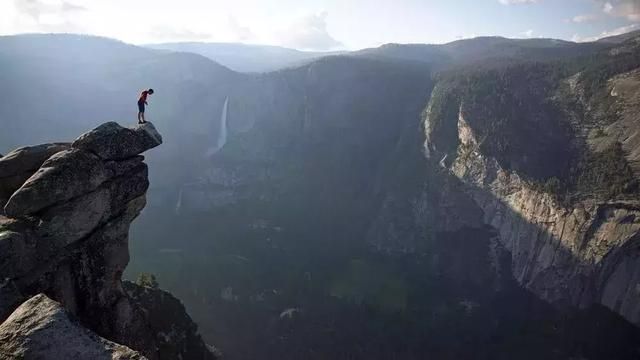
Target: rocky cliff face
{"points": [[578, 252], [38, 328], [577, 255], [20, 164], [64, 233]]}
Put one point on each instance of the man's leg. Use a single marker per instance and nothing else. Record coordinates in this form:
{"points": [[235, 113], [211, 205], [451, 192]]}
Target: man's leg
{"points": [[143, 120], [140, 112]]}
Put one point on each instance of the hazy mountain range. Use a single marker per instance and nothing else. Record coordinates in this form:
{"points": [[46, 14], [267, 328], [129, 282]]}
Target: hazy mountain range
{"points": [[244, 57], [262, 58]]}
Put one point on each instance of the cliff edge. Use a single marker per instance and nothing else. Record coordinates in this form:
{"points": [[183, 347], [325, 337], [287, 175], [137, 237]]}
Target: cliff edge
{"points": [[64, 230]]}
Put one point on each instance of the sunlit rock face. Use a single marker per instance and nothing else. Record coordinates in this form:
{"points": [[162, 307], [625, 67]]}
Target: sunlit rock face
{"points": [[111, 141], [38, 327], [564, 254], [578, 252], [65, 230]]}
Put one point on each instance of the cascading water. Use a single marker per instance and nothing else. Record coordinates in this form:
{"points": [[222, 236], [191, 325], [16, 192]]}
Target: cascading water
{"points": [[179, 203], [222, 135], [220, 142]]}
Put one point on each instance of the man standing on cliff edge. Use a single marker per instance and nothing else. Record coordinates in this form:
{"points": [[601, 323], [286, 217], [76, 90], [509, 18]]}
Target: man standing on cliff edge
{"points": [[142, 101]]}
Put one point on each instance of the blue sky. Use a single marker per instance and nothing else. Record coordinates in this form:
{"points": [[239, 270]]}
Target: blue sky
{"points": [[321, 24]]}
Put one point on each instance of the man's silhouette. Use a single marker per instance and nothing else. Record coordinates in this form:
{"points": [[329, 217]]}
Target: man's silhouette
{"points": [[142, 101]]}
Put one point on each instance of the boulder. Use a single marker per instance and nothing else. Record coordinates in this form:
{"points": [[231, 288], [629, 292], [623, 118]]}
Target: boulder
{"points": [[18, 257], [111, 141], [62, 177], [70, 221], [17, 166], [41, 329], [104, 153], [28, 159]]}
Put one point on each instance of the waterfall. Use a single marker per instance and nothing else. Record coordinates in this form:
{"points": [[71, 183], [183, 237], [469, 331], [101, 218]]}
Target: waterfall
{"points": [[179, 203], [220, 142], [222, 134], [442, 162], [222, 137]]}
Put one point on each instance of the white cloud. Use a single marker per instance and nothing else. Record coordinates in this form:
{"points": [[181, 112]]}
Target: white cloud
{"points": [[527, 34], [517, 2], [576, 38], [629, 9], [607, 7], [240, 32], [203, 20], [42, 16], [309, 33], [584, 18], [68, 7], [604, 34], [36, 9], [166, 33]]}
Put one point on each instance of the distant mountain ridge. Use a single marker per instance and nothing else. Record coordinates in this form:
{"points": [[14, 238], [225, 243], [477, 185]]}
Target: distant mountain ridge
{"points": [[246, 57], [618, 39], [482, 49], [251, 58]]}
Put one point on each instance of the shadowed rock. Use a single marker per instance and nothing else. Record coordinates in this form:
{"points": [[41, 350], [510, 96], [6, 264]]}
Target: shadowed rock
{"points": [[72, 220], [37, 328], [65, 235], [168, 319], [574, 253], [17, 166], [111, 141], [19, 256], [28, 158], [64, 176]]}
